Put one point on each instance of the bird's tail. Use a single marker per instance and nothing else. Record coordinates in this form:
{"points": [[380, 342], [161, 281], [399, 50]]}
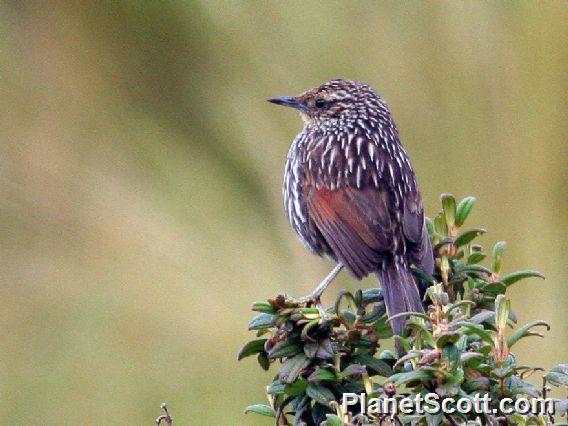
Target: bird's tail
{"points": [[400, 293]]}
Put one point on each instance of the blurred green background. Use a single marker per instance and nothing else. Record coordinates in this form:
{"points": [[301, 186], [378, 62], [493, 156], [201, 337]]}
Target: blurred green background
{"points": [[140, 175]]}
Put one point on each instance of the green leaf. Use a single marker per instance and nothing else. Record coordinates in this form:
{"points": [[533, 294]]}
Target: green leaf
{"points": [[284, 349], [494, 289], [297, 388], [483, 316], [263, 410], [476, 257], [468, 236], [358, 297], [322, 375], [451, 386], [305, 331], [427, 337], [343, 294], [354, 370], [372, 295], [483, 334], [464, 209], [434, 419], [261, 321], [320, 394], [348, 316], [402, 378], [524, 331], [558, 376], [387, 355], [498, 250], [423, 276], [445, 242], [518, 419], [276, 387], [452, 354], [502, 372], [377, 311], [409, 314], [518, 386], [251, 348], [263, 361], [440, 225], [264, 307], [519, 275], [469, 285], [429, 226], [409, 356], [383, 328], [466, 356], [376, 365], [449, 206], [460, 304], [332, 420], [300, 405], [468, 269], [292, 368], [310, 349], [403, 342], [448, 338], [476, 384]]}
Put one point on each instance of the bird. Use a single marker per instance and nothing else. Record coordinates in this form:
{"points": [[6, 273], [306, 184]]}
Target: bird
{"points": [[351, 195]]}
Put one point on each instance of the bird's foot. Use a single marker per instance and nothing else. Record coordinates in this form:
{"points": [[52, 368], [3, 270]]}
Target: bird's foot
{"points": [[313, 299], [315, 296]]}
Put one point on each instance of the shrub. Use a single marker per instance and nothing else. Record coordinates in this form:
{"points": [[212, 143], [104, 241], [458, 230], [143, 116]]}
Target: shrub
{"points": [[457, 349]]}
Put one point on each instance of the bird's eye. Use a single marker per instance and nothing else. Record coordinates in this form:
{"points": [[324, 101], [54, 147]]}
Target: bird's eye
{"points": [[320, 103]]}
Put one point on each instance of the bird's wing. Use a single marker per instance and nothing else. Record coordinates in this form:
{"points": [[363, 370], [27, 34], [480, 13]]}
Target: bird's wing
{"points": [[419, 247], [356, 223], [413, 218]]}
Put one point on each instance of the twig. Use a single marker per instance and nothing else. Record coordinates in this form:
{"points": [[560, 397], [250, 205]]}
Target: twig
{"points": [[166, 416]]}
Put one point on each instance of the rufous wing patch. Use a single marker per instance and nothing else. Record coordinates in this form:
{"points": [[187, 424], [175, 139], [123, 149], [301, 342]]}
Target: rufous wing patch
{"points": [[356, 224]]}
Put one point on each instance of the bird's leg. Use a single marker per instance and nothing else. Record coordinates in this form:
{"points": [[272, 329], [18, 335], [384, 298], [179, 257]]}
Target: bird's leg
{"points": [[315, 295]]}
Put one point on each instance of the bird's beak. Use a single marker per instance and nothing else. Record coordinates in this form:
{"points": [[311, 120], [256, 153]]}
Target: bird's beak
{"points": [[289, 101]]}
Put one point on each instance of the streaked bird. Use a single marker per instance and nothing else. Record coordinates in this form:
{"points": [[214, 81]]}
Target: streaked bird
{"points": [[351, 194]]}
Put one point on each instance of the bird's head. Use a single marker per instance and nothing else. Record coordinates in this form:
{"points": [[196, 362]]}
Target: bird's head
{"points": [[335, 99]]}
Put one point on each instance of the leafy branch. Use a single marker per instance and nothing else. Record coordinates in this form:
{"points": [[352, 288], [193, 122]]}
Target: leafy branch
{"points": [[458, 348]]}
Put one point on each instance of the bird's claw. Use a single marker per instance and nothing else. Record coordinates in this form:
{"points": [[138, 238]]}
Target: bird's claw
{"points": [[321, 309], [313, 299]]}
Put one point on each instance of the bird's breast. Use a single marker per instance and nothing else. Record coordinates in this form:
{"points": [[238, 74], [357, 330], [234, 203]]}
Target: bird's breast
{"points": [[357, 157]]}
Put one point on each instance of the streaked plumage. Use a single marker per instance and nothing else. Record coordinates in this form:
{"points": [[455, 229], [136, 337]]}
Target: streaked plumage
{"points": [[350, 191]]}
